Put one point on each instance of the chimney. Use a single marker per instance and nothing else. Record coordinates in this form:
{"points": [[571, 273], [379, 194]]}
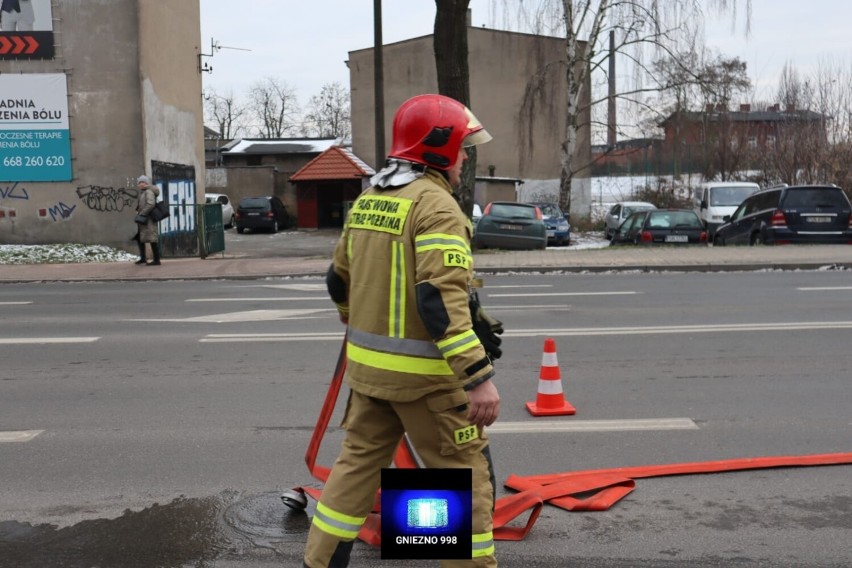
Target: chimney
{"points": [[791, 108], [745, 108], [469, 17], [720, 107], [708, 107]]}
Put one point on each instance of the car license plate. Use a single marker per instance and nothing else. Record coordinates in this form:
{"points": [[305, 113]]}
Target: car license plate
{"points": [[551, 233], [511, 227], [254, 214], [818, 219], [677, 239]]}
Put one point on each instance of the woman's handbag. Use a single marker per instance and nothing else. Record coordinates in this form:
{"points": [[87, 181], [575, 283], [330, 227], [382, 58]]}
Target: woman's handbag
{"points": [[141, 219], [160, 211]]}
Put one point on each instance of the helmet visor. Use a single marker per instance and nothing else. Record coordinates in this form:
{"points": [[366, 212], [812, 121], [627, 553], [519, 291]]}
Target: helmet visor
{"points": [[478, 134], [475, 138]]}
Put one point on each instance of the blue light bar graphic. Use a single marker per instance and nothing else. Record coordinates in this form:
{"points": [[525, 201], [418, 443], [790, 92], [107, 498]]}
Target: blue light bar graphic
{"points": [[427, 513]]}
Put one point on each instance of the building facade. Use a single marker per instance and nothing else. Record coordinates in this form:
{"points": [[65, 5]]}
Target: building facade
{"points": [[517, 90], [116, 95]]}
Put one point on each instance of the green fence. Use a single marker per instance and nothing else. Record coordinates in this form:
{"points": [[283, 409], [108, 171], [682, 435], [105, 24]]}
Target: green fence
{"points": [[211, 230], [192, 230]]}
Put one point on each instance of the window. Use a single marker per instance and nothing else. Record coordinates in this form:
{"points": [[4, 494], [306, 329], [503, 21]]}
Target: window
{"points": [[752, 142]]}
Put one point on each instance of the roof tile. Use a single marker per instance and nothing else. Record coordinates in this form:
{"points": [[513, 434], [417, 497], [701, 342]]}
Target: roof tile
{"points": [[333, 164]]}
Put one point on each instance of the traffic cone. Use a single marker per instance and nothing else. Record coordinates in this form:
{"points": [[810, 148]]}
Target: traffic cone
{"points": [[550, 401]]}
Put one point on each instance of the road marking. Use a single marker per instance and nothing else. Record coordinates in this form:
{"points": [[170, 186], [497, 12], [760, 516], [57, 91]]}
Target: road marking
{"points": [[298, 287], [303, 299], [43, 340], [549, 307], [566, 332], [242, 337], [490, 287], [824, 288], [593, 426], [19, 435], [585, 332], [14, 303], [251, 315], [561, 294]]}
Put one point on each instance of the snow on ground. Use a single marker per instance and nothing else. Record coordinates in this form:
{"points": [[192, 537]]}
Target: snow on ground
{"points": [[61, 254]]}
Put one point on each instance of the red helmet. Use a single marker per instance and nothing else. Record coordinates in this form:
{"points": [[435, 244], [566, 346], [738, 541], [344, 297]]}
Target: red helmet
{"points": [[430, 130]]}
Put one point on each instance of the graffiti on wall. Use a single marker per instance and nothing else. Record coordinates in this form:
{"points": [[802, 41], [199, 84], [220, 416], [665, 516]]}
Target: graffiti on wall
{"points": [[180, 196], [107, 199], [13, 192], [178, 233], [59, 212]]}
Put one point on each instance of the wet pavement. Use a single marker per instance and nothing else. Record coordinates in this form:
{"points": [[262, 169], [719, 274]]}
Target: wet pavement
{"points": [[192, 532]]}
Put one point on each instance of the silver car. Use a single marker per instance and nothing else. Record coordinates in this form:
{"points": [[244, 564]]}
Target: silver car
{"points": [[621, 211]]}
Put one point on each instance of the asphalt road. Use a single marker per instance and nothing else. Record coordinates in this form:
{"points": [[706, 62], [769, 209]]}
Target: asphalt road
{"points": [[166, 417]]}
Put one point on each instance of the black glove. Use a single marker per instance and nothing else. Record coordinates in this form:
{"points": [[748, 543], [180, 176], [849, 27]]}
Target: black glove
{"points": [[486, 328]]}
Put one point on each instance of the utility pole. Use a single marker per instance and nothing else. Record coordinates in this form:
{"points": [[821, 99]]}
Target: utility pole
{"points": [[611, 137], [379, 84]]}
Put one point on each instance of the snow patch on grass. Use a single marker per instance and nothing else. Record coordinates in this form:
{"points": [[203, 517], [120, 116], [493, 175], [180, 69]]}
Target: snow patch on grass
{"points": [[61, 254]]}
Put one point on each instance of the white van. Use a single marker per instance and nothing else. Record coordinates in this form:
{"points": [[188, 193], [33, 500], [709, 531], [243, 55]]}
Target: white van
{"points": [[713, 200]]}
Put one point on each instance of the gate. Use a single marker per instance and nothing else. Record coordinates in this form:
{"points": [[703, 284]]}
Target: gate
{"points": [[211, 230]]}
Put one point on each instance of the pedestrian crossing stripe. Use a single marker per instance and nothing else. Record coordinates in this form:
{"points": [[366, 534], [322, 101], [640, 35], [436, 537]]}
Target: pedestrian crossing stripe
{"points": [[19, 435]]}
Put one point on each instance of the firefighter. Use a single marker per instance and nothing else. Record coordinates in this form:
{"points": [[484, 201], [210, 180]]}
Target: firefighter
{"points": [[416, 364]]}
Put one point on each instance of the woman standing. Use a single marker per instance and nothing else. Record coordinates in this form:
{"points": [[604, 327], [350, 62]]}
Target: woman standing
{"points": [[148, 230]]}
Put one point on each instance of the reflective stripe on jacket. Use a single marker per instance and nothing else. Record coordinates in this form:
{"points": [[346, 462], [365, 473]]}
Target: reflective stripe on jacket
{"points": [[397, 243]]}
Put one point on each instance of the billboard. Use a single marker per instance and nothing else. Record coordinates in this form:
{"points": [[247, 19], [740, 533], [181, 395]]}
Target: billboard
{"points": [[26, 29], [35, 142]]}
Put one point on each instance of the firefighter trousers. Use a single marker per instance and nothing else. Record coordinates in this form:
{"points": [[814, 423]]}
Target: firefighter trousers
{"points": [[374, 428]]}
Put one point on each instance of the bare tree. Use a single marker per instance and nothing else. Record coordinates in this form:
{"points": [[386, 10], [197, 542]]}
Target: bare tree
{"points": [[275, 108], [450, 39], [814, 144], [639, 25], [328, 113], [226, 112]]}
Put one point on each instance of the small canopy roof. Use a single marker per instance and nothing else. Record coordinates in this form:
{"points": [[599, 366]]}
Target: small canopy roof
{"points": [[336, 163]]}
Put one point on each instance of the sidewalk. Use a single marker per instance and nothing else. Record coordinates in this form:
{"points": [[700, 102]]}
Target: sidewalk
{"points": [[702, 259]]}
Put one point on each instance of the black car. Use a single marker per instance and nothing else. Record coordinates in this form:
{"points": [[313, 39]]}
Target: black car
{"points": [[818, 214], [266, 213], [661, 227]]}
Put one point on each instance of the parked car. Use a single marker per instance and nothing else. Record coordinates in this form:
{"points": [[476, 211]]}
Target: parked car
{"points": [[661, 227], [227, 208], [476, 215], [556, 221], [796, 214], [265, 212], [621, 211], [510, 225], [713, 200]]}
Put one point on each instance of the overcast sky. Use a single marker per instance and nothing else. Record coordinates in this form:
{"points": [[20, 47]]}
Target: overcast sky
{"points": [[306, 42]]}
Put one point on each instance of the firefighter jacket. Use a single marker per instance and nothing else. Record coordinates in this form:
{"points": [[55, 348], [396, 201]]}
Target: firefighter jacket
{"points": [[401, 273]]}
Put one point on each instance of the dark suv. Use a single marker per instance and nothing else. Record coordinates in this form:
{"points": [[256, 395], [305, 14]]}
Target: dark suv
{"points": [[818, 214], [267, 213]]}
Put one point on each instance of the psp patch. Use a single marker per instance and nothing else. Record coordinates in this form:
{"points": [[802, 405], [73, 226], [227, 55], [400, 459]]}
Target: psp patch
{"points": [[456, 259], [465, 435]]}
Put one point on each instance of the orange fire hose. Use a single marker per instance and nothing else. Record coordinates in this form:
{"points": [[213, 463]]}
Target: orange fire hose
{"points": [[601, 488]]}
